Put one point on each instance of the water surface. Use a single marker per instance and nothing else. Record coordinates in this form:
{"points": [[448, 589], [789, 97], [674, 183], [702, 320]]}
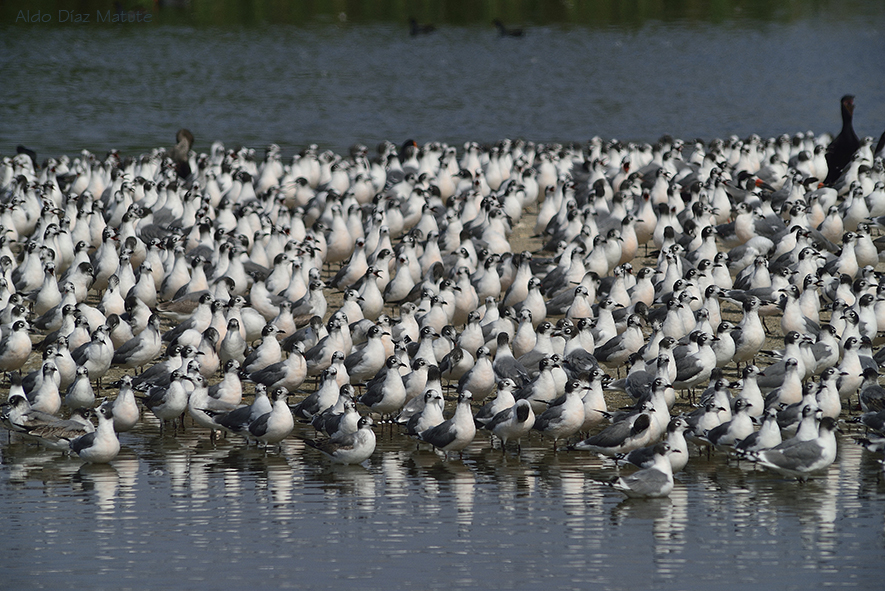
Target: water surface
{"points": [[131, 87], [176, 512]]}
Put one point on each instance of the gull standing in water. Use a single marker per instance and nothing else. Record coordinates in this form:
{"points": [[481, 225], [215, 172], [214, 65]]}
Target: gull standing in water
{"points": [[101, 446], [653, 482], [348, 448], [565, 415], [276, 425], [803, 458], [512, 423], [456, 433]]}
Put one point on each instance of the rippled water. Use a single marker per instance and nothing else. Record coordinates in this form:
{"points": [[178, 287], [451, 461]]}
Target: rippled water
{"points": [[131, 88], [177, 512]]}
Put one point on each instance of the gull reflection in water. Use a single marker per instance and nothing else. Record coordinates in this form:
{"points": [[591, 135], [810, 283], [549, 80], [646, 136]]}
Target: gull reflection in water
{"points": [[201, 465], [668, 530], [280, 480], [28, 462], [817, 509], [396, 484], [127, 466], [103, 481], [359, 482], [669, 518], [177, 463], [464, 492]]}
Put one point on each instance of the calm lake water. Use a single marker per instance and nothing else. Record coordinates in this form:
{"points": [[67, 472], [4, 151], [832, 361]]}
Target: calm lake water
{"points": [[174, 512], [178, 513], [132, 86]]}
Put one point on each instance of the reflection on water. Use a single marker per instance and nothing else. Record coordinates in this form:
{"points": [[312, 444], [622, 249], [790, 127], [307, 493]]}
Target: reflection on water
{"points": [[175, 510]]}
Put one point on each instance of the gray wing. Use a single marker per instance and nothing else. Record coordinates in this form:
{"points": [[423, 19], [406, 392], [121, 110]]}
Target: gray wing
{"points": [[439, 436], [83, 442], [551, 416], [513, 369], [502, 417], [308, 407], [133, 344], [333, 445], [794, 457], [270, 375], [373, 395], [258, 427], [611, 436], [646, 482], [609, 348], [638, 384], [643, 457], [687, 368]]}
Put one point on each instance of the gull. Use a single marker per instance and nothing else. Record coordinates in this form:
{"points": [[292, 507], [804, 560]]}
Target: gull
{"points": [[429, 415], [615, 351], [644, 457], [653, 482], [233, 345], [595, 409], [366, 361], [512, 423], [15, 347], [456, 363], [80, 393], [140, 349], [564, 416], [229, 390], [739, 427], [387, 395], [479, 380], [325, 396], [750, 391], [790, 389], [767, 437], [802, 459], [289, 373], [57, 435], [124, 406], [101, 446], [503, 400], [96, 355], [276, 425], [874, 420], [505, 365], [456, 433], [340, 418], [775, 373], [238, 420], [872, 395], [696, 368], [749, 336], [349, 448], [168, 402]]}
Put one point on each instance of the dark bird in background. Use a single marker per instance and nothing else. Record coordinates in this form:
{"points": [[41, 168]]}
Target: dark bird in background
{"points": [[179, 152], [841, 149], [880, 145], [503, 31], [415, 28]]}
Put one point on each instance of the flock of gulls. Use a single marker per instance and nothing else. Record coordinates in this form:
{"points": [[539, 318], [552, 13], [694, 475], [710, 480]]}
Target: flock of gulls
{"points": [[244, 294]]}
